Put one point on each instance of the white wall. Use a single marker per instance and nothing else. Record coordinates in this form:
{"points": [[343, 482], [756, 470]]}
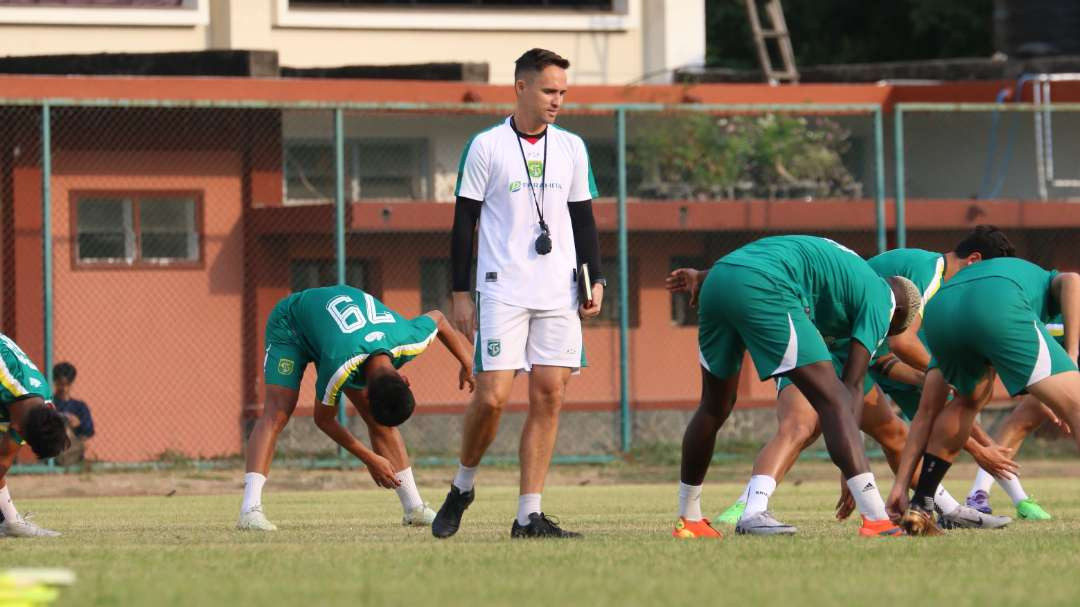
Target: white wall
{"points": [[612, 47]]}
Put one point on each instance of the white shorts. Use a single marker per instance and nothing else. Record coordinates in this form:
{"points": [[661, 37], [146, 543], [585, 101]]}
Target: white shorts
{"points": [[515, 338]]}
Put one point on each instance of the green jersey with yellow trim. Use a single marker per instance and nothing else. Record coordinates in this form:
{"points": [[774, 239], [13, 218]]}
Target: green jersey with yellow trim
{"points": [[19, 379], [924, 268], [339, 327]]}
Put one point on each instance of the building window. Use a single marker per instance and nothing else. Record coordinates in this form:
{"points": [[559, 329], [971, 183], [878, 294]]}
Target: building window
{"points": [[592, 5], [609, 310], [98, 3], [313, 273], [129, 229], [682, 314], [375, 169], [436, 284]]}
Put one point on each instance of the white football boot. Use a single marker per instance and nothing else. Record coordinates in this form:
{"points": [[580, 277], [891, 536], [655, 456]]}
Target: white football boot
{"points": [[420, 516], [23, 527], [253, 519]]}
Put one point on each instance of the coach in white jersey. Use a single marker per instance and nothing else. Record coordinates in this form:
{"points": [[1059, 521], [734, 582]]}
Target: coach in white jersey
{"points": [[529, 185]]}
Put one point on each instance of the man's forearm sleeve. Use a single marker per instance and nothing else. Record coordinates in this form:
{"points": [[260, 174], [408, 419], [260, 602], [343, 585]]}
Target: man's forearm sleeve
{"points": [[466, 214], [586, 238]]}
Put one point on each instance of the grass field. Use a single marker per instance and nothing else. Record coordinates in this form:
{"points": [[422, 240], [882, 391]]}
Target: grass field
{"points": [[347, 548]]}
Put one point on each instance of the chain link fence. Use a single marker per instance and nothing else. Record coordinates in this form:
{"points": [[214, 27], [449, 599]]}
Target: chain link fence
{"points": [[174, 229], [1015, 165]]}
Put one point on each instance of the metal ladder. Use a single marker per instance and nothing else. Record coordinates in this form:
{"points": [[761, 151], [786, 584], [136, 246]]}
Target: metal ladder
{"points": [[779, 32]]}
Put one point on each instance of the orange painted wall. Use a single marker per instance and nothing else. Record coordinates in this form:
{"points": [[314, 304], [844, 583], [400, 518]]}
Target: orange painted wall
{"points": [[159, 351]]}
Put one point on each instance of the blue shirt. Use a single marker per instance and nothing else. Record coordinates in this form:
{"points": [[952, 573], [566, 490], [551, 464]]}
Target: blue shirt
{"points": [[79, 409]]}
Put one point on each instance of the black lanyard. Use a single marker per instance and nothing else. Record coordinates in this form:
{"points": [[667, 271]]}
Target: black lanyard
{"points": [[538, 201]]}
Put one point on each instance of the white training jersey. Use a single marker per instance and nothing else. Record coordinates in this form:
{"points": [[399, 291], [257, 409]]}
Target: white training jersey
{"points": [[508, 268]]}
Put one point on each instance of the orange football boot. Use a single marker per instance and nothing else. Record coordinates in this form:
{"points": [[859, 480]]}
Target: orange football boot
{"points": [[884, 528], [687, 530]]}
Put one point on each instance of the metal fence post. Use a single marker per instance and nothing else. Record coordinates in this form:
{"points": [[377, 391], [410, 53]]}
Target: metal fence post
{"points": [[879, 180], [625, 423], [339, 224], [901, 201], [46, 240]]}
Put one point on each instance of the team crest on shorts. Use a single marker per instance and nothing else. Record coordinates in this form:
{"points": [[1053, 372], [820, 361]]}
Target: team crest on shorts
{"points": [[285, 366], [494, 347]]}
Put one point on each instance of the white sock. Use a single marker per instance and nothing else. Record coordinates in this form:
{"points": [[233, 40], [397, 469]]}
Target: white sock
{"points": [[759, 491], [745, 494], [1013, 487], [465, 478], [867, 497], [253, 485], [983, 482], [944, 500], [407, 491], [527, 504], [690, 502], [7, 507]]}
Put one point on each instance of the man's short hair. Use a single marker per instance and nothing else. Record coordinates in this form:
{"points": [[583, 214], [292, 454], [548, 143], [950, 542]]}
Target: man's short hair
{"points": [[535, 60], [987, 240], [44, 431], [65, 371], [392, 401]]}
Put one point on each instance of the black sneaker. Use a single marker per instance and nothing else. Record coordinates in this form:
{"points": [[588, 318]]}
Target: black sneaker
{"points": [[540, 525], [448, 519]]}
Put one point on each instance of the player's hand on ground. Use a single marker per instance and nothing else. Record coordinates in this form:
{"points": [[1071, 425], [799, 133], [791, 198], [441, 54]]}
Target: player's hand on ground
{"points": [[382, 472], [846, 504], [685, 280], [897, 504], [466, 378], [464, 314], [997, 460], [593, 311]]}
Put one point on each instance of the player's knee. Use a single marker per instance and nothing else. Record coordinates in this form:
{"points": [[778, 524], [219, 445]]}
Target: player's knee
{"points": [[891, 435], [798, 429], [488, 402], [547, 406], [276, 418]]}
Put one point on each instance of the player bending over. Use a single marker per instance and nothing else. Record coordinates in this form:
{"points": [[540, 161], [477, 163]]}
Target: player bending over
{"points": [[780, 298], [989, 317], [26, 416], [357, 345], [798, 423], [1024, 419]]}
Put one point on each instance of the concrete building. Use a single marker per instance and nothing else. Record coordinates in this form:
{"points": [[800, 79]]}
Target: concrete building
{"points": [[607, 41]]}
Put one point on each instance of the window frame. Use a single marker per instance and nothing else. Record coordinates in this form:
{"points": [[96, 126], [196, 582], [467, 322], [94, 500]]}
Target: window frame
{"points": [[190, 13], [624, 15], [697, 262], [424, 179], [369, 265], [138, 262], [611, 295]]}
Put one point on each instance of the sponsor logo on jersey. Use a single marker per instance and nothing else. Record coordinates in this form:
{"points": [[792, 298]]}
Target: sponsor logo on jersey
{"points": [[285, 366], [494, 347], [515, 186], [374, 336]]}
